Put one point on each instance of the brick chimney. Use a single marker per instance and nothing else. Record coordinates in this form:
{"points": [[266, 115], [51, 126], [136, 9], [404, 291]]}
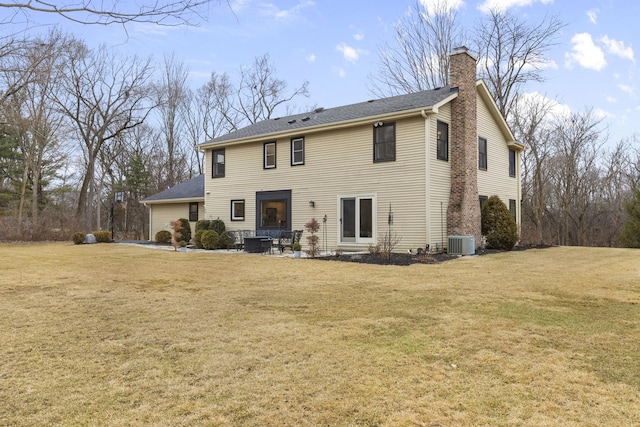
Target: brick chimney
{"points": [[463, 212]]}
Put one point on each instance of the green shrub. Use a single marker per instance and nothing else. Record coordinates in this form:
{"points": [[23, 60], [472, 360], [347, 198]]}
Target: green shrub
{"points": [[78, 237], [630, 234], [202, 224], [102, 236], [197, 238], [223, 240], [218, 226], [185, 230], [163, 236], [498, 226], [209, 239]]}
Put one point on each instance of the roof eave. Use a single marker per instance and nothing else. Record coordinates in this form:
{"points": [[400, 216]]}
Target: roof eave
{"points": [[483, 90], [167, 201]]}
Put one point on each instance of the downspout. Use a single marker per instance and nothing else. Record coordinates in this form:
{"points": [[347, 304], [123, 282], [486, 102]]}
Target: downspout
{"points": [[426, 114], [150, 225]]}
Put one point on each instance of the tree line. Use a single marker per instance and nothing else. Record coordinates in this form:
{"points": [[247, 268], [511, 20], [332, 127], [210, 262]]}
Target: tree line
{"points": [[79, 125]]}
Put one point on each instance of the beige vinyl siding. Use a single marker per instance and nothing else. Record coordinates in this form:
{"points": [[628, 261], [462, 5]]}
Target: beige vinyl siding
{"points": [[161, 214], [496, 180], [440, 181], [337, 163]]}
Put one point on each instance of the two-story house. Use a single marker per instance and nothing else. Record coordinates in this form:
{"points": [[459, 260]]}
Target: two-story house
{"points": [[429, 158]]}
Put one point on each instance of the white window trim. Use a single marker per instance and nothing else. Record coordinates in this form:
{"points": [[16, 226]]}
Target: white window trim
{"points": [[237, 218], [360, 241], [293, 162], [264, 153]]}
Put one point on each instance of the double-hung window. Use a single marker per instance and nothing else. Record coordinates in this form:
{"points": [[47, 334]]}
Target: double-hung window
{"points": [[482, 154], [297, 151], [269, 155], [512, 162], [193, 211], [217, 168], [384, 142], [443, 141]]}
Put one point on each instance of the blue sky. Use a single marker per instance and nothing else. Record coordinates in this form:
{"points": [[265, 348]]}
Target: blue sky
{"points": [[334, 44]]}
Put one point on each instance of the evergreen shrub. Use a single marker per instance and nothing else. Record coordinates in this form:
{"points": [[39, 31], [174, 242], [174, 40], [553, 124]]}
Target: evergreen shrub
{"points": [[498, 226], [78, 237], [209, 239], [163, 236]]}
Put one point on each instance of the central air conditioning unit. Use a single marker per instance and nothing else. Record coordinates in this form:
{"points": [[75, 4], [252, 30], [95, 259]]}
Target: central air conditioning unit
{"points": [[461, 245]]}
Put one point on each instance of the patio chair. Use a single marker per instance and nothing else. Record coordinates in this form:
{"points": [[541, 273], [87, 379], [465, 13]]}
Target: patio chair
{"points": [[288, 238]]}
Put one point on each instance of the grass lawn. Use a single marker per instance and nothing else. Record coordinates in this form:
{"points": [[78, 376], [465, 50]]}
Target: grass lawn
{"points": [[111, 334]]}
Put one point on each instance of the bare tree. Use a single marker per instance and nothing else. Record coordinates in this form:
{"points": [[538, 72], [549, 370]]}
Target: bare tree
{"points": [[164, 12], [513, 53], [36, 122], [258, 96], [173, 94], [419, 60], [575, 175], [533, 123], [104, 95]]}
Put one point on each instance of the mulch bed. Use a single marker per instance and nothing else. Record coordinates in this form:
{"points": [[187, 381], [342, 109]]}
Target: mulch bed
{"points": [[408, 259]]}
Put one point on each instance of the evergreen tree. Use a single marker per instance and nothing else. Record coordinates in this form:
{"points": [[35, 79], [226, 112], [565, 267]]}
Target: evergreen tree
{"points": [[630, 235], [498, 226]]}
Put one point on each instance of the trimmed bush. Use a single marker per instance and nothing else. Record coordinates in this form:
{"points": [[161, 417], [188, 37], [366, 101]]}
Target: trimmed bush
{"points": [[78, 237], [218, 226], [197, 238], [102, 236], [185, 230], [163, 236], [202, 224], [498, 226], [223, 240], [209, 239]]}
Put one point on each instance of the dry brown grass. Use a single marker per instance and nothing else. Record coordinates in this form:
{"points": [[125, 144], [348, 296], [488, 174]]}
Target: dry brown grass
{"points": [[120, 335]]}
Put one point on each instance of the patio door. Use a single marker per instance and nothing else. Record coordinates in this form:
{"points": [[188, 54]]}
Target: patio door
{"points": [[357, 224]]}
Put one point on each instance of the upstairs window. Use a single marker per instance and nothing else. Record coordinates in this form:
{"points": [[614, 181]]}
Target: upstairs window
{"points": [[270, 155], [443, 141], [297, 151], [217, 168], [512, 162], [384, 142], [482, 154]]}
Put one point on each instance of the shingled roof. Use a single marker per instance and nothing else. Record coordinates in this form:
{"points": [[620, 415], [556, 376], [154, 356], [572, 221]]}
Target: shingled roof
{"points": [[192, 189], [329, 116]]}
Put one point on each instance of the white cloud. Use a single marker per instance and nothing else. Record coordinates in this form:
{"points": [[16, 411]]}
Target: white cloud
{"points": [[358, 36], [341, 72], [433, 6], [593, 15], [350, 54], [502, 5], [602, 114], [271, 10], [311, 57], [617, 48], [586, 53], [626, 88], [556, 109], [611, 100]]}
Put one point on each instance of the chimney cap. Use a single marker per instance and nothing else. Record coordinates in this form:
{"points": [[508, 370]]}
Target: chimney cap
{"points": [[462, 49]]}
